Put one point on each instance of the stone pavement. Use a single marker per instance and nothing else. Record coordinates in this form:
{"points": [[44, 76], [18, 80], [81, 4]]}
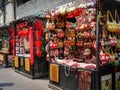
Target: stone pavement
{"points": [[10, 80]]}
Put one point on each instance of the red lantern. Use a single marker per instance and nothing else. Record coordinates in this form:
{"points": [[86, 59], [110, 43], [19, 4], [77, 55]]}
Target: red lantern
{"points": [[38, 44], [38, 24], [38, 53], [38, 34]]}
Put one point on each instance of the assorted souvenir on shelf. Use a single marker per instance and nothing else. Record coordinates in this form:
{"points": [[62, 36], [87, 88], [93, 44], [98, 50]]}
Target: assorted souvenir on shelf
{"points": [[72, 31], [109, 29], [72, 35]]}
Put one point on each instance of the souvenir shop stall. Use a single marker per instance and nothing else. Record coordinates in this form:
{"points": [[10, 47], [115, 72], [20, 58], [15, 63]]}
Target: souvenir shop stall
{"points": [[28, 43], [83, 45], [5, 54]]}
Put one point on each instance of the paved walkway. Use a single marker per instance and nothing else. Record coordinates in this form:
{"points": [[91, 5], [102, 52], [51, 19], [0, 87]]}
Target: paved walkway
{"points": [[10, 80]]}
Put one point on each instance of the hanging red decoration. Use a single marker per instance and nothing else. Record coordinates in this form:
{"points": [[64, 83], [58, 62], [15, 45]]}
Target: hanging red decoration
{"points": [[12, 30], [12, 34], [23, 33], [77, 12], [13, 51], [39, 25], [38, 33], [38, 44], [19, 33], [70, 14], [12, 42], [31, 46], [38, 53]]}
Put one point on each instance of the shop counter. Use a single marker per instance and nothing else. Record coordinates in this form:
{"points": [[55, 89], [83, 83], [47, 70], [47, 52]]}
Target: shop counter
{"points": [[5, 58], [64, 77], [23, 66]]}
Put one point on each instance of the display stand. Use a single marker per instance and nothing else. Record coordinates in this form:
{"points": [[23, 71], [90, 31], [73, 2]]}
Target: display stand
{"points": [[5, 54], [74, 29], [27, 40]]}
